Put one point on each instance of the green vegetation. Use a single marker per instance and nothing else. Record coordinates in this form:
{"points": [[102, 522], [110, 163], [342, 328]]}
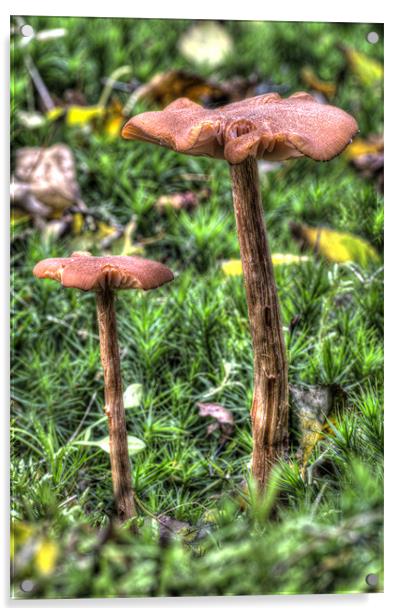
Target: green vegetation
{"points": [[316, 532]]}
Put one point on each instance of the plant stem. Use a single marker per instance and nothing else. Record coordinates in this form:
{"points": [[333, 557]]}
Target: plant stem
{"points": [[269, 411], [114, 406]]}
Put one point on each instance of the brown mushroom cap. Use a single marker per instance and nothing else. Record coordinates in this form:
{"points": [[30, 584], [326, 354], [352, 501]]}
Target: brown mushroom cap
{"points": [[264, 126], [83, 271]]}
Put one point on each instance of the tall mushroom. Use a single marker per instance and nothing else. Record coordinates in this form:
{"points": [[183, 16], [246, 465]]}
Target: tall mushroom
{"points": [[104, 275], [270, 128]]}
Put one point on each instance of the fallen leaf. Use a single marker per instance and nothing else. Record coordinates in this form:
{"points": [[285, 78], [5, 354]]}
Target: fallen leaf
{"points": [[133, 395], [48, 175], [334, 245], [81, 116], [233, 267], [89, 231], [129, 247], [327, 88], [135, 445], [367, 156], [177, 201], [187, 200], [314, 401], [206, 42], [164, 88], [55, 113], [217, 411], [78, 223], [169, 528], [359, 147], [311, 407], [371, 166], [107, 120], [113, 124], [368, 70], [20, 533], [237, 88], [46, 556], [224, 419]]}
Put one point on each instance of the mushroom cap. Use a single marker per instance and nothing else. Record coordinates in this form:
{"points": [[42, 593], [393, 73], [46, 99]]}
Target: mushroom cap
{"points": [[83, 271], [266, 126]]}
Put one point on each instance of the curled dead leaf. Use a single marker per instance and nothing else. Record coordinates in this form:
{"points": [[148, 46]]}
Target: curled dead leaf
{"points": [[217, 411], [224, 420], [48, 175]]}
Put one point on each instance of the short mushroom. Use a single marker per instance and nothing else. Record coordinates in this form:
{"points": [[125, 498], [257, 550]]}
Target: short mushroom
{"points": [[264, 127], [104, 275]]}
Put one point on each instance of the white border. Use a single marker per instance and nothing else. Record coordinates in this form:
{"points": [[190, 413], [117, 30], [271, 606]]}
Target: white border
{"points": [[369, 11], [290, 10]]}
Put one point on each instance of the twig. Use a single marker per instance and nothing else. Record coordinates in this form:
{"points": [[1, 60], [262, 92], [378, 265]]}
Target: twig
{"points": [[89, 406], [39, 84]]}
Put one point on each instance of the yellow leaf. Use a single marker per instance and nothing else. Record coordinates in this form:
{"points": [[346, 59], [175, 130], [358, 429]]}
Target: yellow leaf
{"points": [[335, 246], [78, 223], [81, 116], [20, 533], [368, 70], [46, 556], [233, 267], [360, 147], [86, 235], [328, 88], [129, 248], [113, 119], [104, 230], [288, 259], [311, 433], [112, 126], [55, 113]]}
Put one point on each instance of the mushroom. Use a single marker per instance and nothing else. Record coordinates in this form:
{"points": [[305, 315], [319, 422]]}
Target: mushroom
{"points": [[104, 275], [264, 127]]}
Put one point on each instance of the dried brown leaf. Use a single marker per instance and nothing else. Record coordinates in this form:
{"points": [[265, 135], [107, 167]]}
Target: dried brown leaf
{"points": [[187, 200], [327, 88], [48, 175], [164, 88], [224, 419]]}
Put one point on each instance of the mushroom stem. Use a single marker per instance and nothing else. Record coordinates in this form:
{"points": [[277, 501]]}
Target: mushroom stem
{"points": [[269, 411], [114, 406]]}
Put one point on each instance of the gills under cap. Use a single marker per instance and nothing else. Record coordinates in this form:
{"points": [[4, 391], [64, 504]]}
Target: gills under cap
{"points": [[83, 271], [265, 126]]}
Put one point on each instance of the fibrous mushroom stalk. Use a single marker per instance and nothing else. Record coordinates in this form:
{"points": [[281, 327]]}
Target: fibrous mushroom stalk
{"points": [[114, 406], [269, 411], [272, 128]]}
